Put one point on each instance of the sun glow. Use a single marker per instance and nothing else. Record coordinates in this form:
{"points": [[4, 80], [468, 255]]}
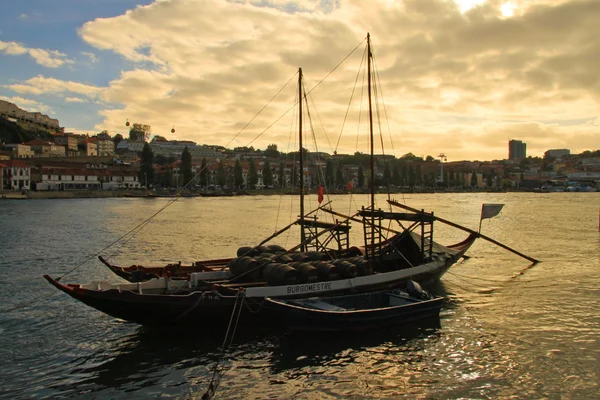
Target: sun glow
{"points": [[466, 5], [508, 9]]}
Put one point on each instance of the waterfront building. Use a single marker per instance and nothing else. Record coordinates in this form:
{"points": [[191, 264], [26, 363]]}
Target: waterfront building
{"points": [[87, 176], [517, 150], [16, 175]]}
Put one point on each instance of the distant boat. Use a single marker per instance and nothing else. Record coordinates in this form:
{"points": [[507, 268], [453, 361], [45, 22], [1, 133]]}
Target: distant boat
{"points": [[141, 195]]}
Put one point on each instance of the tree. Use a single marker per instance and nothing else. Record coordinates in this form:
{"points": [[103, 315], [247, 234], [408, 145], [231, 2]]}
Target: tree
{"points": [[361, 176], [186, 166], [387, 174], [204, 174], [167, 178], [411, 176], [139, 132], [339, 176], [146, 173], [396, 180], [238, 176], [474, 179], [267, 174], [117, 139], [271, 151], [282, 174], [221, 175], [252, 174], [329, 174], [429, 159]]}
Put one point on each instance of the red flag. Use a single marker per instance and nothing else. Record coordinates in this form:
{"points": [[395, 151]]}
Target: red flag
{"points": [[350, 186], [320, 194]]}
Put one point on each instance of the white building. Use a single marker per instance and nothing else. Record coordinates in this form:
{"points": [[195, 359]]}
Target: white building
{"points": [[16, 175]]}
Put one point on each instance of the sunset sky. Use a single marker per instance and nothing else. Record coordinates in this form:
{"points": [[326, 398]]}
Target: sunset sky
{"points": [[459, 77]]}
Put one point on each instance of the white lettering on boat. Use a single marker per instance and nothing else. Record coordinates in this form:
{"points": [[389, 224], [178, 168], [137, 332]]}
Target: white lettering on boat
{"points": [[307, 288]]}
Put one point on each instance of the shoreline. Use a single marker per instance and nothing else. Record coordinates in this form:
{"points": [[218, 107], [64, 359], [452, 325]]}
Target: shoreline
{"points": [[94, 194]]}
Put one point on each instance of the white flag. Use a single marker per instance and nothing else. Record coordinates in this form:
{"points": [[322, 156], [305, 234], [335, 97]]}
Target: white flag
{"points": [[490, 210]]}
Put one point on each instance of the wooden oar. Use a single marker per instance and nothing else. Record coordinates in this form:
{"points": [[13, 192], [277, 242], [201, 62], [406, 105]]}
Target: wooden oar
{"points": [[464, 228]]}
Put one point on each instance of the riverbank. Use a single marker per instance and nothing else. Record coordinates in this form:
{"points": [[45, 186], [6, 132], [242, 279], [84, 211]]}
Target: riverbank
{"points": [[91, 194]]}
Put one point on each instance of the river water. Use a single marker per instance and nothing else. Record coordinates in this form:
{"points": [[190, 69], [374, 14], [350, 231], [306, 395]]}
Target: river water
{"points": [[508, 329]]}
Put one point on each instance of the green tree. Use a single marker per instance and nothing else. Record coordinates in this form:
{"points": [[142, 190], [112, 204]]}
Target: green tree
{"points": [[271, 151], [146, 174], [203, 174], [474, 179], [186, 166], [396, 180], [117, 139], [267, 174], [418, 175], [221, 175], [329, 174], [412, 180], [139, 132], [167, 178], [282, 174], [361, 177], [252, 174], [339, 176], [387, 174], [238, 176]]}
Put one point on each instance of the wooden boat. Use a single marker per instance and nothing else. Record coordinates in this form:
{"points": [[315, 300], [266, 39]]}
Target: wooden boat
{"points": [[386, 260], [356, 312]]}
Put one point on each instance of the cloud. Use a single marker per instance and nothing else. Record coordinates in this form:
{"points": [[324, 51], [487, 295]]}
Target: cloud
{"points": [[47, 58], [74, 100], [459, 77], [91, 56], [42, 85]]}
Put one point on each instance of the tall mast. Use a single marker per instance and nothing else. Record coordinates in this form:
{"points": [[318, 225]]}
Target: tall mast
{"points": [[302, 234], [369, 58]]}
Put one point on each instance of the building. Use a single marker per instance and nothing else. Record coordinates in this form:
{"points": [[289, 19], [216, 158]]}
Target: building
{"points": [[11, 110], [105, 147], [557, 153], [69, 142], [517, 150], [16, 175], [42, 148], [19, 150]]}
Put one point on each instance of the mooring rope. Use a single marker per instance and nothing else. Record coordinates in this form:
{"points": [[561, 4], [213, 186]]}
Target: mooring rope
{"points": [[215, 379]]}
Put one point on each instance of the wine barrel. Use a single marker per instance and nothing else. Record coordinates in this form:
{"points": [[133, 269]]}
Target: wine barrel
{"points": [[307, 273], [245, 265], [327, 271], [247, 251], [299, 256], [275, 248], [280, 274], [317, 256], [363, 267], [346, 269], [283, 258], [263, 249]]}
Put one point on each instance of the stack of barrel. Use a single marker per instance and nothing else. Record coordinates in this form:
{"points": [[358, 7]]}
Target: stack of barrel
{"points": [[278, 267]]}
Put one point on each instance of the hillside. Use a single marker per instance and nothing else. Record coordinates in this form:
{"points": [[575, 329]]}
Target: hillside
{"points": [[12, 132]]}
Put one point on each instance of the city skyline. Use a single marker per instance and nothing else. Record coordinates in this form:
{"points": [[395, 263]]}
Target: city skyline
{"points": [[461, 78]]}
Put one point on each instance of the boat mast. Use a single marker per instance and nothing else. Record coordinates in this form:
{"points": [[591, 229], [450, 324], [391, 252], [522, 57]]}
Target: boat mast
{"points": [[369, 58], [302, 234]]}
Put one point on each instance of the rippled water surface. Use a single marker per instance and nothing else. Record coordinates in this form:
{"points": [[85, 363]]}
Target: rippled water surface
{"points": [[508, 330]]}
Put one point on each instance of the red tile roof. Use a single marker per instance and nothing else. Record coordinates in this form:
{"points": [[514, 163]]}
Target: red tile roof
{"points": [[16, 163]]}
